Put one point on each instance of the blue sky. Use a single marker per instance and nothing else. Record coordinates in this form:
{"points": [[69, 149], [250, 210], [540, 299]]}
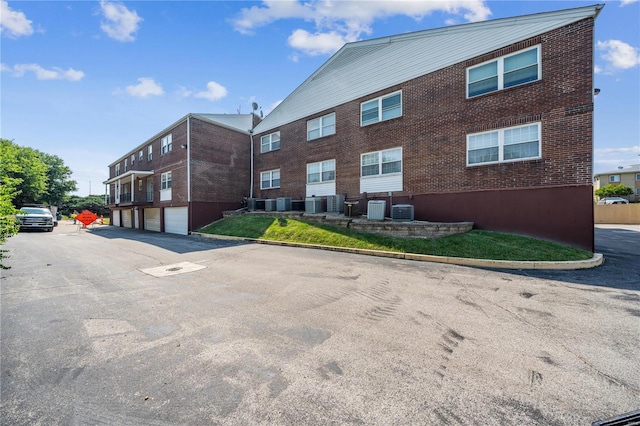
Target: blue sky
{"points": [[90, 80]]}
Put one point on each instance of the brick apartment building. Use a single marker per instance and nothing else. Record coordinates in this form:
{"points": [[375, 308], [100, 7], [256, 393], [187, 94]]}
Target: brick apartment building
{"points": [[489, 122], [185, 176]]}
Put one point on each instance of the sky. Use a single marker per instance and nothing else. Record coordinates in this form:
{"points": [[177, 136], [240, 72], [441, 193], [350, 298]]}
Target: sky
{"points": [[89, 81]]}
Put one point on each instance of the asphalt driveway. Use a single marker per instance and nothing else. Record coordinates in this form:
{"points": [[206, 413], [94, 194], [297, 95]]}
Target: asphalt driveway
{"points": [[125, 327]]}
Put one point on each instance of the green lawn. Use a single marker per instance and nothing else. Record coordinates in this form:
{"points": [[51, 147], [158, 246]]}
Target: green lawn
{"points": [[475, 244]]}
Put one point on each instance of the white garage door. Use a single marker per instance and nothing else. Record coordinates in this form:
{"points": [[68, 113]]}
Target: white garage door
{"points": [[175, 220], [152, 219], [115, 217], [126, 218]]}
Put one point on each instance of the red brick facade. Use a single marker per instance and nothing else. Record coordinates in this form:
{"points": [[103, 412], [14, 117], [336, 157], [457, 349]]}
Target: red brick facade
{"points": [[432, 131]]}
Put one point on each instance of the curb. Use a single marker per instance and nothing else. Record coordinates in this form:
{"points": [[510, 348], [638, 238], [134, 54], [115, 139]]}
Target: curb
{"points": [[596, 260]]}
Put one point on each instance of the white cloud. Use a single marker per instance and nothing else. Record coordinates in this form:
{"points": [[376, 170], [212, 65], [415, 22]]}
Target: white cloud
{"points": [[317, 44], [13, 23], [146, 87], [54, 73], [214, 92], [607, 159], [338, 22], [627, 2], [121, 23], [613, 151], [617, 55]]}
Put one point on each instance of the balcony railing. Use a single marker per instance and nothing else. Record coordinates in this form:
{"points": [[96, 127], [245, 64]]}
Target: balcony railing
{"points": [[139, 198]]}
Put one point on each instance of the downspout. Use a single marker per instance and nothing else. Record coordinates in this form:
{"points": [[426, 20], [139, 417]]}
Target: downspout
{"points": [[189, 172], [251, 155]]}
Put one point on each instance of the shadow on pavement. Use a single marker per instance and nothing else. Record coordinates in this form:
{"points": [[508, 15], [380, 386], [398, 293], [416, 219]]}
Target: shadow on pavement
{"points": [[621, 269], [176, 243]]}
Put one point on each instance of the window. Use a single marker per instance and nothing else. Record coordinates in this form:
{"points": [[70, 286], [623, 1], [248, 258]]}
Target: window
{"points": [[270, 179], [381, 109], [165, 144], [614, 178], [638, 176], [270, 142], [381, 162], [510, 144], [126, 164], [165, 180], [322, 126], [324, 171], [140, 156], [133, 159], [507, 71], [637, 191], [139, 184], [117, 169], [149, 153]]}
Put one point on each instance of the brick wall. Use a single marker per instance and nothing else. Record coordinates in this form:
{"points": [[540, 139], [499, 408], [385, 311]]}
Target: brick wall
{"points": [[437, 117], [220, 163]]}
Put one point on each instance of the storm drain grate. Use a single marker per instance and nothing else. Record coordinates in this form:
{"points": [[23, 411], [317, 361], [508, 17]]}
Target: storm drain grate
{"points": [[627, 419], [176, 268]]}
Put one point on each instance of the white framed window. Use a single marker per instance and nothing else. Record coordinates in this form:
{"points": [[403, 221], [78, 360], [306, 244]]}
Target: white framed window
{"points": [[321, 172], [381, 109], [637, 191], [270, 142], [504, 145], [270, 179], [165, 180], [126, 164], [638, 177], [140, 185], [166, 144], [133, 159], [140, 156], [614, 178], [511, 70], [381, 162], [321, 126], [117, 169], [149, 153]]}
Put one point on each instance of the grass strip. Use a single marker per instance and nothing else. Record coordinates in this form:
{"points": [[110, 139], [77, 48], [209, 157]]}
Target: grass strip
{"points": [[475, 244]]}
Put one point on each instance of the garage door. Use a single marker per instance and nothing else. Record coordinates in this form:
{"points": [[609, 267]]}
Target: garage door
{"points": [[175, 220], [115, 217], [152, 219], [126, 218]]}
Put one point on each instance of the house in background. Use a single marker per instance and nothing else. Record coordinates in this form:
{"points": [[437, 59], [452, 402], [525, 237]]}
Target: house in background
{"points": [[489, 122], [628, 176], [185, 176]]}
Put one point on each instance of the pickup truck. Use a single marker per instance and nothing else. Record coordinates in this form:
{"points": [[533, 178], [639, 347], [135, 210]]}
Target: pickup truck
{"points": [[35, 218]]}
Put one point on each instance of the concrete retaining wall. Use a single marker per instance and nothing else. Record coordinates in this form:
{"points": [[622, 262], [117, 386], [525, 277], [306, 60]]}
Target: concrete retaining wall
{"points": [[415, 229]]}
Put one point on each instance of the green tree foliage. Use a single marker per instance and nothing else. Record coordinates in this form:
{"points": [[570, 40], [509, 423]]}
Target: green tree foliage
{"points": [[34, 177], [59, 182], [614, 191], [93, 203], [28, 176]]}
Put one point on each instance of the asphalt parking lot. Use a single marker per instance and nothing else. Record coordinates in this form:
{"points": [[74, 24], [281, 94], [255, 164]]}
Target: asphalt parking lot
{"points": [[126, 327]]}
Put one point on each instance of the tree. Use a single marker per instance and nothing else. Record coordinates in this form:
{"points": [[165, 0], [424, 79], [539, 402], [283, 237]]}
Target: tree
{"points": [[36, 177], [59, 183], [93, 203], [8, 226], [23, 171], [614, 191]]}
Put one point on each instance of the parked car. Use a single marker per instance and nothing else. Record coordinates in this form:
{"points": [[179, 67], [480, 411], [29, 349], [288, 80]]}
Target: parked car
{"points": [[35, 218], [613, 200]]}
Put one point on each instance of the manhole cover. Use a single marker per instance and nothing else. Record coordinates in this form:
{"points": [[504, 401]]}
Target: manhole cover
{"points": [[176, 268]]}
